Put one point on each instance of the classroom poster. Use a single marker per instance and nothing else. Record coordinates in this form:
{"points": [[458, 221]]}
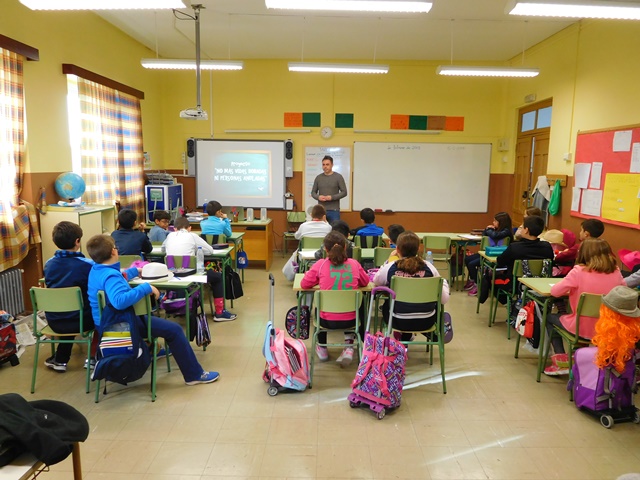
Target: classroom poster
{"points": [[620, 201]]}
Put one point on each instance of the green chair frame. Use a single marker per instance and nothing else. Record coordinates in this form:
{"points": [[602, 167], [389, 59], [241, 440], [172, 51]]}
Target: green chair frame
{"points": [[421, 290], [335, 301], [142, 307], [368, 241], [127, 260], [535, 266], [311, 242], [212, 239], [177, 260], [381, 255], [356, 254], [588, 306], [294, 220], [68, 299], [440, 247]]}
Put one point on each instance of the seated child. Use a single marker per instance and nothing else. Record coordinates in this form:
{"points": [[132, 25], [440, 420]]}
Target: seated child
{"points": [[394, 230], [217, 222], [317, 227], [369, 229], [413, 317], [530, 211], [68, 268], [336, 272], [341, 227], [185, 242], [565, 250], [130, 241], [591, 228], [161, 228], [105, 275]]}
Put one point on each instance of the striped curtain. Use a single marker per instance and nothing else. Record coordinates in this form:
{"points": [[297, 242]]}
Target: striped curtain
{"points": [[111, 146]]}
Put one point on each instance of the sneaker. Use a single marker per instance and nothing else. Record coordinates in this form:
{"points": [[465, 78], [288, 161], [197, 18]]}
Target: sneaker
{"points": [[162, 353], [225, 316], [474, 291], [561, 360], [346, 357], [92, 363], [58, 367], [554, 370], [206, 377], [469, 285], [322, 352]]}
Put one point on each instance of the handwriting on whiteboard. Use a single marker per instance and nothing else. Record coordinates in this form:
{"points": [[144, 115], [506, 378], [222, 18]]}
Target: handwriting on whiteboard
{"points": [[395, 146]]}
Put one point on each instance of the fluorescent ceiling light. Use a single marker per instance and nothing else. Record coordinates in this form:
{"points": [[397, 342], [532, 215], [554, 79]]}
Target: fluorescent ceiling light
{"points": [[176, 64], [337, 67], [414, 6], [576, 9], [102, 4], [468, 71]]}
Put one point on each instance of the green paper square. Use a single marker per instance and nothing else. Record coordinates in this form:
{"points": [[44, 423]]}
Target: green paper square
{"points": [[344, 120], [417, 122], [310, 119]]}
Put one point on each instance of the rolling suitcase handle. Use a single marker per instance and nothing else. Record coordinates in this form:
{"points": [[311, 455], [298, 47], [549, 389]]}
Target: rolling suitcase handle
{"points": [[374, 292]]}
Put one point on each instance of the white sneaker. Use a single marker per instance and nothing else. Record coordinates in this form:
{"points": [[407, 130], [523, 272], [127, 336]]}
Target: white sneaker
{"points": [[322, 352], [346, 357]]}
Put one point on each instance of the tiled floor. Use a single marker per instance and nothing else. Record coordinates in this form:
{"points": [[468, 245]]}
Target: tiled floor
{"points": [[495, 422]]}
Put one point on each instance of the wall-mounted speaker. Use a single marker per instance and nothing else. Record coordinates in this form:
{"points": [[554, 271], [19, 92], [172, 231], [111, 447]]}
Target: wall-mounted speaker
{"points": [[288, 158], [191, 156]]}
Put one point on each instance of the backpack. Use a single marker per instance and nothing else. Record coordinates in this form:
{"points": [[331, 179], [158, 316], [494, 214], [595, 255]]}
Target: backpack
{"points": [[242, 261], [525, 320], [291, 320], [8, 340], [287, 361], [232, 284], [123, 355]]}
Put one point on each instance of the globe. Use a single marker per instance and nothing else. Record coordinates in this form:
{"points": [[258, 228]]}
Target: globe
{"points": [[70, 185]]}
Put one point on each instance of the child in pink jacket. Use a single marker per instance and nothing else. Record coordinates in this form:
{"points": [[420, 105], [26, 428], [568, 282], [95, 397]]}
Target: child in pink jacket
{"points": [[336, 272]]}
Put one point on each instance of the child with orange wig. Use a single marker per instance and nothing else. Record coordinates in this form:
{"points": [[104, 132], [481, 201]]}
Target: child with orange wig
{"points": [[618, 328]]}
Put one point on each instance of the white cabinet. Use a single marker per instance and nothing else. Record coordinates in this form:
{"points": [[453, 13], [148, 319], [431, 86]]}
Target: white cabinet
{"points": [[93, 219]]}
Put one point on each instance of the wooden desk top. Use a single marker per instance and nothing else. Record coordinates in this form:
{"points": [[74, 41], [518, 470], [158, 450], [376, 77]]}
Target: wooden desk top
{"points": [[542, 286], [175, 282], [298, 288]]}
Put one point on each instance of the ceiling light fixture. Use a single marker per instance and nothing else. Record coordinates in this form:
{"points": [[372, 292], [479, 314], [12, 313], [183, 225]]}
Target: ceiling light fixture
{"points": [[178, 64], [620, 10], [414, 6], [337, 67], [469, 71], [102, 4]]}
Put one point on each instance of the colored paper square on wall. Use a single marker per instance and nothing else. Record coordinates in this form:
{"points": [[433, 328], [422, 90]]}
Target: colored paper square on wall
{"points": [[418, 122], [454, 124], [400, 122], [311, 119], [292, 119], [344, 120], [436, 122]]}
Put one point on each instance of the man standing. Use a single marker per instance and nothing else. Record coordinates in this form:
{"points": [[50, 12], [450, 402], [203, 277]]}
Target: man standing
{"points": [[328, 188]]}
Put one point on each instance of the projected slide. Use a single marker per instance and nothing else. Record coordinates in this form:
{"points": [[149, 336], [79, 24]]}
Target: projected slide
{"points": [[240, 173]]}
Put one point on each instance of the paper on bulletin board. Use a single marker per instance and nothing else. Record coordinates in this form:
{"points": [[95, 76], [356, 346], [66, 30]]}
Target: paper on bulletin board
{"points": [[622, 141], [620, 201], [635, 158], [582, 171], [596, 175], [313, 167], [575, 199], [591, 202]]}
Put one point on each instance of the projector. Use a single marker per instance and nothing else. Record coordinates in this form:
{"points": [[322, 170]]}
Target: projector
{"points": [[194, 114]]}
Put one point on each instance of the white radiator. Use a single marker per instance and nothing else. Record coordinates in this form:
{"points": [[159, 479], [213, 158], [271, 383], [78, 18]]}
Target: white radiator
{"points": [[11, 298]]}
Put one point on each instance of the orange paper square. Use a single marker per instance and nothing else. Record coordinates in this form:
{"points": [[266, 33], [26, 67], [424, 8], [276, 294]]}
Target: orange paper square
{"points": [[399, 122], [292, 119], [454, 124]]}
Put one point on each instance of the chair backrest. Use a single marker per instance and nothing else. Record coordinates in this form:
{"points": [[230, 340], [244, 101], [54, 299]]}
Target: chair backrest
{"points": [[417, 290], [380, 255], [338, 301], [142, 307], [588, 306], [68, 299], [179, 262], [535, 267], [213, 239], [311, 242], [356, 254], [486, 241], [367, 241], [294, 220], [127, 260], [436, 243]]}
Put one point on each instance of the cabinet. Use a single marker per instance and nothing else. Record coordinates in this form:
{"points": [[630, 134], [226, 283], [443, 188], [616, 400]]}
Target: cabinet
{"points": [[257, 240], [93, 219]]}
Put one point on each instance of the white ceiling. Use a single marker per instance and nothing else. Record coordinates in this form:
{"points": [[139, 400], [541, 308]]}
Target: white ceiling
{"points": [[467, 30]]}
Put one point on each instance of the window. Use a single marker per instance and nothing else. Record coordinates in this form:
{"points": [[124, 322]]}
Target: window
{"points": [[105, 126], [536, 118]]}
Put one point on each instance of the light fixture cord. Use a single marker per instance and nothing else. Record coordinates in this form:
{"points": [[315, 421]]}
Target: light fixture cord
{"points": [[196, 10], [526, 22], [304, 28]]}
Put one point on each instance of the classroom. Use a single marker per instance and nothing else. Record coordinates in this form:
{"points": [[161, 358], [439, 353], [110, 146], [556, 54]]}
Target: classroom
{"points": [[495, 421]]}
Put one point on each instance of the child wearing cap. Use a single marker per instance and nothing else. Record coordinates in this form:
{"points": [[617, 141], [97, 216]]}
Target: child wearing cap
{"points": [[631, 260]]}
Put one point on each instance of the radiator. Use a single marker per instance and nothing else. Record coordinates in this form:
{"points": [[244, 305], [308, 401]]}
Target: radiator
{"points": [[11, 297]]}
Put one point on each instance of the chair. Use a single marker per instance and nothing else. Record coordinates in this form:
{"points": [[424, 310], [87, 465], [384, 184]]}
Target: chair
{"points": [[422, 290], [178, 263], [67, 299], [588, 306], [537, 269], [127, 260], [356, 254], [335, 301], [294, 220], [213, 239], [372, 241], [440, 246], [311, 242], [381, 255], [142, 307]]}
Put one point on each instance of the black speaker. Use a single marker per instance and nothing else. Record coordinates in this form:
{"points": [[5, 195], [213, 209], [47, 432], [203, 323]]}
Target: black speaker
{"points": [[288, 149], [191, 148]]}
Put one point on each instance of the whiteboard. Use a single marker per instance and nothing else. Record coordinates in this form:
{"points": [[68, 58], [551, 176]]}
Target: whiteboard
{"points": [[421, 177], [313, 167]]}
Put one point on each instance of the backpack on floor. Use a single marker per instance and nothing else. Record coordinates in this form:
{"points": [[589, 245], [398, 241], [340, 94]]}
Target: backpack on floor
{"points": [[287, 360], [291, 321], [8, 341], [232, 284], [123, 355]]}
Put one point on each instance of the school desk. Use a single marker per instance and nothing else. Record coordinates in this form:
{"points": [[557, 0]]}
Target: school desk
{"points": [[26, 466], [538, 290]]}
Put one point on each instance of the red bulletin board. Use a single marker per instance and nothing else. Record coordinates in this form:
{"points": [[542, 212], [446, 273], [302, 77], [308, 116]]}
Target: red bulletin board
{"points": [[620, 187]]}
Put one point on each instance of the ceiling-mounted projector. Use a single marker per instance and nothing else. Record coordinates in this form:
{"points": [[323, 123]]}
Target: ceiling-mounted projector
{"points": [[194, 114]]}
